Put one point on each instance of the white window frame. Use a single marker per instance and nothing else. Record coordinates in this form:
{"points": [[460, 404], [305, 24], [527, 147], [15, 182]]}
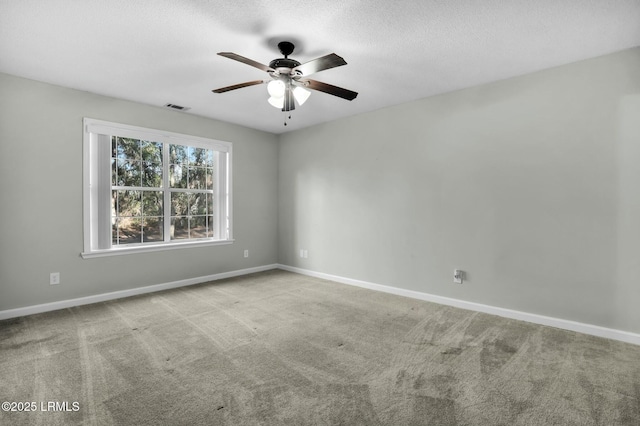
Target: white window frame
{"points": [[97, 236]]}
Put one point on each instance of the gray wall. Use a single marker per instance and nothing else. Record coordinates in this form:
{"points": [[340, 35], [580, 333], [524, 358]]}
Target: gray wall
{"points": [[41, 197], [531, 185]]}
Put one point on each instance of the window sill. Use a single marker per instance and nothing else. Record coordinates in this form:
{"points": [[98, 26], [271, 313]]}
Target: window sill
{"points": [[151, 248]]}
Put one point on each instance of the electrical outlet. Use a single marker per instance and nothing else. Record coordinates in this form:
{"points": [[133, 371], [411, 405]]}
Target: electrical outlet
{"points": [[54, 278], [458, 276], [246, 253], [304, 253]]}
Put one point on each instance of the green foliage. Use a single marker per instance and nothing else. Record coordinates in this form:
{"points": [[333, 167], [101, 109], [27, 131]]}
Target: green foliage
{"points": [[137, 206]]}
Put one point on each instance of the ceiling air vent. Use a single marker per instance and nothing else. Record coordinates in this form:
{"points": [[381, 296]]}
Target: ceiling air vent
{"points": [[176, 107]]}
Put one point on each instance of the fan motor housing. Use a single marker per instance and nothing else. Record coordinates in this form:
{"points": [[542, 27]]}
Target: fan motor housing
{"points": [[283, 63]]}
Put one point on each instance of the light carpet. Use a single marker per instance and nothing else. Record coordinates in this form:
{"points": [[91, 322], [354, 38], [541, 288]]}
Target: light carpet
{"points": [[278, 348]]}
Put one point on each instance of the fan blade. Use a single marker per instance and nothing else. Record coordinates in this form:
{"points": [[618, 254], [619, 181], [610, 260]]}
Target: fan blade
{"points": [[320, 64], [238, 86], [247, 61], [330, 89]]}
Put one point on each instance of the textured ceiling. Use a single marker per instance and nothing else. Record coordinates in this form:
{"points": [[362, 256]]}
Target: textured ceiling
{"points": [[164, 51]]}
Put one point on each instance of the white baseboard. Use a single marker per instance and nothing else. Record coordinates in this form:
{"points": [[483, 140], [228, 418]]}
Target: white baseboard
{"points": [[53, 306], [594, 330]]}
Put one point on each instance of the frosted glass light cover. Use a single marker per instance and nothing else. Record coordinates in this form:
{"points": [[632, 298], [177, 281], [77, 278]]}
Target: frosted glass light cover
{"points": [[301, 94], [276, 88], [277, 102]]}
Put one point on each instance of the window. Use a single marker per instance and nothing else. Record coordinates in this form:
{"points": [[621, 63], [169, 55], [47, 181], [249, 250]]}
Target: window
{"points": [[148, 190]]}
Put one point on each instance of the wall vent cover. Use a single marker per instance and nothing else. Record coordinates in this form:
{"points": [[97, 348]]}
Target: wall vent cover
{"points": [[177, 107]]}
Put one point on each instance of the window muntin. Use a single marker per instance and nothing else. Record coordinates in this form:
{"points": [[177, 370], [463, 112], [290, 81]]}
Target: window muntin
{"points": [[163, 189]]}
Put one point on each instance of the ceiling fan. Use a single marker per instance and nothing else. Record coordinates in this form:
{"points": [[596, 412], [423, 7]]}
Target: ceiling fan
{"points": [[289, 80]]}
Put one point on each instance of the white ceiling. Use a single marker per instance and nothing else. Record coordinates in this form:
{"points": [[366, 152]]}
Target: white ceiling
{"points": [[164, 51]]}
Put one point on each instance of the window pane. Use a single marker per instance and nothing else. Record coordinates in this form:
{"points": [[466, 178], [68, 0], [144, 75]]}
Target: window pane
{"points": [[197, 177], [151, 152], [129, 230], [198, 225], [114, 143], [178, 176], [114, 231], [178, 154], [210, 157], [180, 203], [209, 184], [129, 173], [179, 228], [128, 149], [209, 203], [197, 156], [210, 226], [114, 172], [152, 229], [152, 174], [200, 204], [152, 203], [129, 203], [114, 203]]}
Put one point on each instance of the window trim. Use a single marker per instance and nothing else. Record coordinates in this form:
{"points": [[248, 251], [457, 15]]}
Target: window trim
{"points": [[94, 127]]}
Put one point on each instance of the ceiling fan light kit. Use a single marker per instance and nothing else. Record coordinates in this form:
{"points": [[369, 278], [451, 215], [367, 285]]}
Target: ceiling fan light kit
{"points": [[289, 82], [277, 90]]}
